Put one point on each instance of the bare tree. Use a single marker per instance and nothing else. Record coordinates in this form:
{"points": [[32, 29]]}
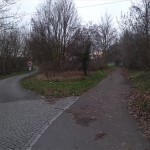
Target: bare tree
{"points": [[11, 51], [142, 18], [52, 31], [136, 36], [107, 35], [81, 47], [6, 18], [9, 38]]}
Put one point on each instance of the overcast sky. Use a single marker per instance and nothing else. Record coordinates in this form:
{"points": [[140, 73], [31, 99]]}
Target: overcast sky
{"points": [[88, 10]]}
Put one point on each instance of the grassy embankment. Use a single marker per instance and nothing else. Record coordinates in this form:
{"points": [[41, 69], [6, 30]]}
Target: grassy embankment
{"points": [[141, 80], [76, 87], [139, 100]]}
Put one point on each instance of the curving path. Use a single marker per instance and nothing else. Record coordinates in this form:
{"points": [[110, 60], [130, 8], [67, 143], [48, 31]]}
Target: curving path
{"points": [[24, 116], [11, 90]]}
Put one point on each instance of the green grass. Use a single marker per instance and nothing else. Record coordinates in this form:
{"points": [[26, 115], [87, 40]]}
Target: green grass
{"points": [[111, 65], [63, 88], [141, 80]]}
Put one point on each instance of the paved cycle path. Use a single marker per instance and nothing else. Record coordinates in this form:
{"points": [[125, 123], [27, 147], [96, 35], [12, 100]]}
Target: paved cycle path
{"points": [[99, 120], [11, 90]]}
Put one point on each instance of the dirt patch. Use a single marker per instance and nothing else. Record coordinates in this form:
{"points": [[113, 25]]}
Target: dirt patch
{"points": [[139, 106], [84, 121], [99, 136], [65, 76], [82, 116], [52, 100]]}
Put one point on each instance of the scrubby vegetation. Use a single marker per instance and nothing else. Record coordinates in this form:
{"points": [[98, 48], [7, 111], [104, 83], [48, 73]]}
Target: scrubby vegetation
{"points": [[63, 88]]}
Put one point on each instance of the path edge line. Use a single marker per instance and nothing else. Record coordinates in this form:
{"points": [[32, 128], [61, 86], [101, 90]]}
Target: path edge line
{"points": [[43, 129]]}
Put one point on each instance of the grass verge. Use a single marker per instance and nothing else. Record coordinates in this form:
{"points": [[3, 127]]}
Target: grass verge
{"points": [[60, 89], [140, 80], [139, 100]]}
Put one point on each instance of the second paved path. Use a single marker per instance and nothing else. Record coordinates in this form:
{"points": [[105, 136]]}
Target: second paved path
{"points": [[99, 120]]}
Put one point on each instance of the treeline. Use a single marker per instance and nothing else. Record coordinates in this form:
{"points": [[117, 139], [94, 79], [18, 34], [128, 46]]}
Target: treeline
{"points": [[57, 41], [134, 41], [12, 40]]}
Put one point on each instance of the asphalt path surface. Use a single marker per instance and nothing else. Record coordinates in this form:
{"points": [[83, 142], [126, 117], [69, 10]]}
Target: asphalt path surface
{"points": [[99, 120], [11, 90], [24, 116]]}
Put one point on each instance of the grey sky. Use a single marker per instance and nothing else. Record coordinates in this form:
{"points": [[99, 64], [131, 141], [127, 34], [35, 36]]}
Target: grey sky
{"points": [[92, 13]]}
